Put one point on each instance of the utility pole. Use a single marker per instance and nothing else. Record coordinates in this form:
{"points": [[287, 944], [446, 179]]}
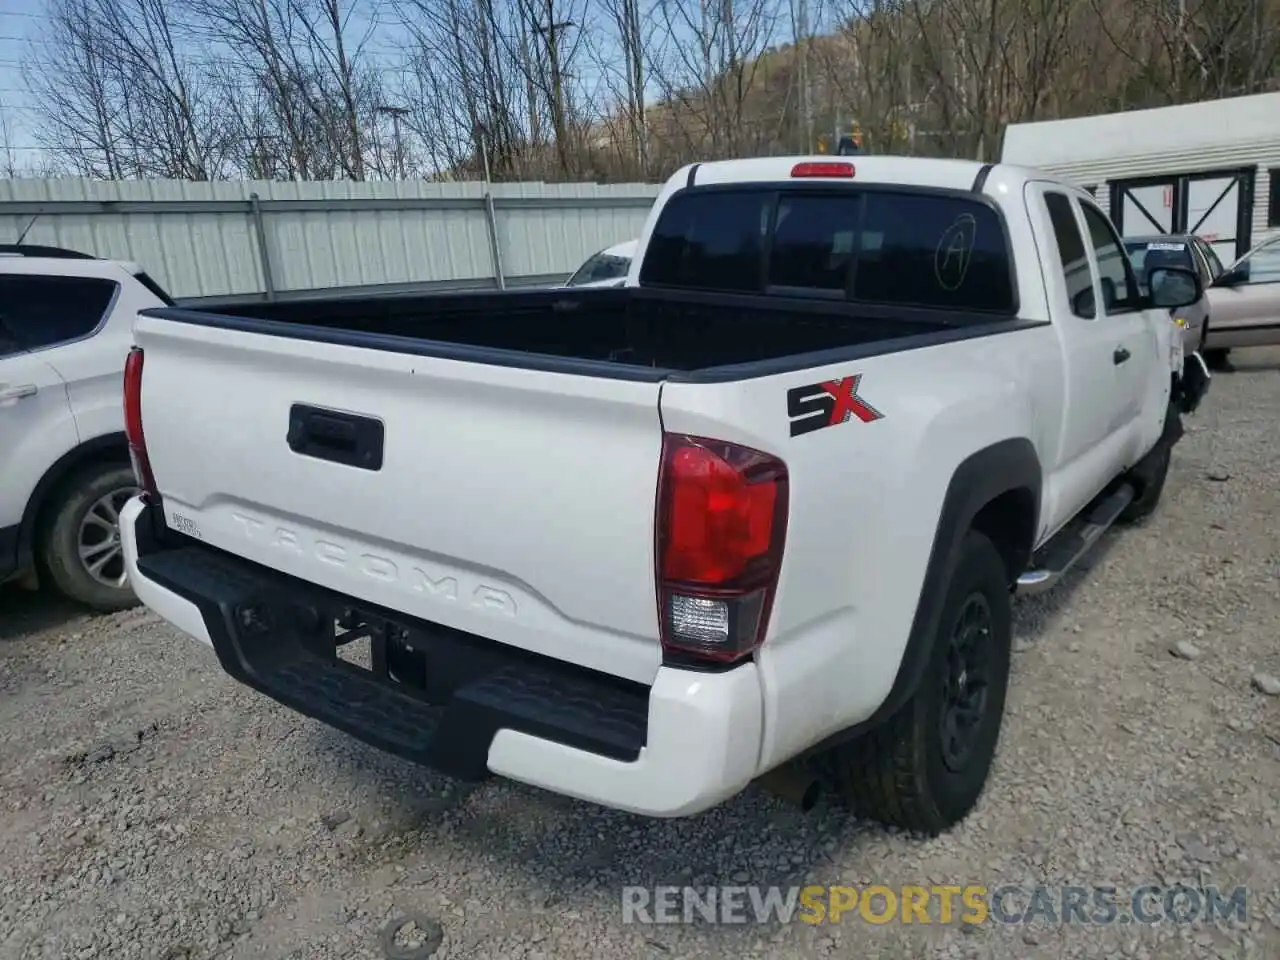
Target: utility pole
{"points": [[806, 94], [396, 113]]}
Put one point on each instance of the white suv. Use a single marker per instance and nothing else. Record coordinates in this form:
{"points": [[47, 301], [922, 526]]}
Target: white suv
{"points": [[65, 328]]}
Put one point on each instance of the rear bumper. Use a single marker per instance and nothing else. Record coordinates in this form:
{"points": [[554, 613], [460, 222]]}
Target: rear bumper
{"points": [[453, 701]]}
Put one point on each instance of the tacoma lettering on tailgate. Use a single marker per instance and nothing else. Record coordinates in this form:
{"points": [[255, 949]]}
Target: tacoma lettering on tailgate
{"points": [[407, 576]]}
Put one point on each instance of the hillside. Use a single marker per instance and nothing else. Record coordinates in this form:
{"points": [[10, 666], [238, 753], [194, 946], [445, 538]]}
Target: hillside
{"points": [[945, 78], [603, 90]]}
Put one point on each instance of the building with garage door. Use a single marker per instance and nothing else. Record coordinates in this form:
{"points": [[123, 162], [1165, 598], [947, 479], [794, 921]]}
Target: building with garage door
{"points": [[1210, 168]]}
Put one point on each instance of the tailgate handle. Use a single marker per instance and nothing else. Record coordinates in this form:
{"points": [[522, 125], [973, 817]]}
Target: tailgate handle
{"points": [[344, 438]]}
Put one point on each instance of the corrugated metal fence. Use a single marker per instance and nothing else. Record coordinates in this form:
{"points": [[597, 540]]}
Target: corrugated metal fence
{"points": [[232, 241]]}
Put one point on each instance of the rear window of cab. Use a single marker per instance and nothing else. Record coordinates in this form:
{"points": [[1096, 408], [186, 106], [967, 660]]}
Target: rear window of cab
{"points": [[931, 250]]}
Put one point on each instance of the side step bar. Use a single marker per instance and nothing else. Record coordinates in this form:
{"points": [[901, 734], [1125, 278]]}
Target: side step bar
{"points": [[1060, 554]]}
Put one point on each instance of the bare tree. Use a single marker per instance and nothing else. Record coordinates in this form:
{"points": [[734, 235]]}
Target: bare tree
{"points": [[75, 85], [306, 93], [9, 165], [1183, 50], [119, 95], [711, 73], [628, 36], [463, 96], [867, 64], [561, 89], [334, 64]]}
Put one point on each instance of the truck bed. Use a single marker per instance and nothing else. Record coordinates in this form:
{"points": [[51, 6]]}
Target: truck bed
{"points": [[634, 329]]}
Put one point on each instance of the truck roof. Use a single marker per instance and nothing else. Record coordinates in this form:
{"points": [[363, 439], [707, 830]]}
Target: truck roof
{"points": [[914, 171]]}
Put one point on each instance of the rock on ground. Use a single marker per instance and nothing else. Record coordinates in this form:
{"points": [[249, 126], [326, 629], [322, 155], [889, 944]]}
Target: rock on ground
{"points": [[154, 809]]}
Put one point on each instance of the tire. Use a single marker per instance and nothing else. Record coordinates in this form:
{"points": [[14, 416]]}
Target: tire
{"points": [[899, 773], [81, 514]]}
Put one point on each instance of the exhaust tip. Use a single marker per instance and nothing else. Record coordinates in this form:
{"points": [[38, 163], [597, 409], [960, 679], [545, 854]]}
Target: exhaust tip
{"points": [[809, 798]]}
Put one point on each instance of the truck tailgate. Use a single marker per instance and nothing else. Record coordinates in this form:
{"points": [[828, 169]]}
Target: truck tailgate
{"points": [[513, 504]]}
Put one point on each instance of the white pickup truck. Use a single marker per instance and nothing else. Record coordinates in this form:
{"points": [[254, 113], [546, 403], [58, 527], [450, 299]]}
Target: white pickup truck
{"points": [[758, 513]]}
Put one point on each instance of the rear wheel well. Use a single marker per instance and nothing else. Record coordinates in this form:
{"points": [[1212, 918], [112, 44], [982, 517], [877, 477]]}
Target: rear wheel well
{"points": [[111, 448], [1009, 521]]}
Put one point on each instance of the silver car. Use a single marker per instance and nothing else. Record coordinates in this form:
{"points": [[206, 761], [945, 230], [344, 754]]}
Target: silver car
{"points": [[1188, 253], [1244, 303]]}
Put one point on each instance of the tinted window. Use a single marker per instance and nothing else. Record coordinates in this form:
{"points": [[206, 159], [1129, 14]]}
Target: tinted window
{"points": [[42, 311], [1115, 273], [8, 342], [709, 241], [935, 251], [813, 241], [1071, 255], [912, 249]]}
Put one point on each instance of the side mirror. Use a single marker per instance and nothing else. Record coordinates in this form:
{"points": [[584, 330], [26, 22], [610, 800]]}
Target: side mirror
{"points": [[1232, 278], [1173, 287]]}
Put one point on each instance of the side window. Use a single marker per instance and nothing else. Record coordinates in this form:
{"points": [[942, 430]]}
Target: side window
{"points": [[1071, 253], [1261, 264], [1199, 264], [1120, 292], [1215, 265], [40, 312]]}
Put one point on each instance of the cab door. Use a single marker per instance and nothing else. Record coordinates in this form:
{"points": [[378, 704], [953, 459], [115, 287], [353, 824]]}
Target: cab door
{"points": [[36, 428], [1090, 404], [1127, 329]]}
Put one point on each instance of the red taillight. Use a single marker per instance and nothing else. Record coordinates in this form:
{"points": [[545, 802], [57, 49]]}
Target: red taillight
{"points": [[721, 521], [823, 169], [133, 421]]}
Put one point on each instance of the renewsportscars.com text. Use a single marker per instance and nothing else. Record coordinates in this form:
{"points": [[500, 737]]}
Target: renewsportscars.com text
{"points": [[937, 903]]}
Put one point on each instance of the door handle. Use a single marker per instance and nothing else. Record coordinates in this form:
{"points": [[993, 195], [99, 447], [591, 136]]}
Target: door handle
{"points": [[1120, 356], [17, 393]]}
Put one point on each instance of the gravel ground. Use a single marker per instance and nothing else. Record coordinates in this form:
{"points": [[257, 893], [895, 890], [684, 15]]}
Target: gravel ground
{"points": [[154, 808]]}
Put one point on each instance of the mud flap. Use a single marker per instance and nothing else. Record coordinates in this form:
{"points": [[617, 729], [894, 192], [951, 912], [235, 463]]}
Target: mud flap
{"points": [[1190, 388], [1173, 429]]}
